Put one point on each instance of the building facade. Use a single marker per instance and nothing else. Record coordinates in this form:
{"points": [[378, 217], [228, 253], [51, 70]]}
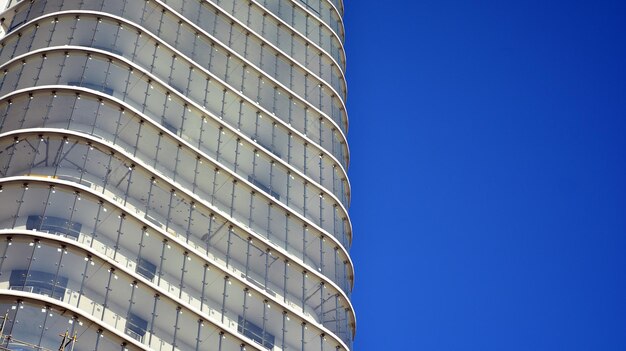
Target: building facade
{"points": [[173, 176]]}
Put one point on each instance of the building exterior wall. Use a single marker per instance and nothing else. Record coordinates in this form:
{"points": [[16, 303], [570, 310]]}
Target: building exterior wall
{"points": [[173, 175]]}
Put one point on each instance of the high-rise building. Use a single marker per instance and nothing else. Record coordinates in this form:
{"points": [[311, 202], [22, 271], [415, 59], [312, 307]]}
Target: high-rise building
{"points": [[173, 176]]}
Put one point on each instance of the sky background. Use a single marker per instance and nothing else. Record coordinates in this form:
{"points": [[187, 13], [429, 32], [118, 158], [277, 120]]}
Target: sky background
{"points": [[488, 171]]}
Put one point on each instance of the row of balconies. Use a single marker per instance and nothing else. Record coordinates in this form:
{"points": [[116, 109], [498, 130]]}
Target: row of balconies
{"points": [[137, 190], [190, 41], [270, 28], [77, 286], [34, 325], [171, 264], [207, 93], [55, 68], [181, 168], [292, 12]]}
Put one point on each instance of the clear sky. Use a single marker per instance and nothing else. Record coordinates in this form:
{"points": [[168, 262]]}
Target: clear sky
{"points": [[488, 171]]}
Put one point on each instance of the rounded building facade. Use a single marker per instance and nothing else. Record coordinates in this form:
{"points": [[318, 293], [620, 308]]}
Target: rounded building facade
{"points": [[173, 176]]}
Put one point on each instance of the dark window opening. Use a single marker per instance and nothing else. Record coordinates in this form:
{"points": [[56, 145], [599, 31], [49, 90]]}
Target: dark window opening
{"points": [[136, 327], [263, 187], [255, 333], [169, 127], [270, 149], [146, 269], [54, 225], [38, 282]]}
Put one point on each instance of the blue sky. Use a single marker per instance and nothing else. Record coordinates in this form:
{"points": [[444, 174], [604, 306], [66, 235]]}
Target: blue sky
{"points": [[488, 171]]}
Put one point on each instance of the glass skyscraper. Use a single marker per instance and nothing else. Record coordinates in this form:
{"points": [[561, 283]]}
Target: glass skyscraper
{"points": [[173, 176]]}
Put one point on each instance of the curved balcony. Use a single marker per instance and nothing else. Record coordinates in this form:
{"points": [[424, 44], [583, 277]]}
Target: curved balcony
{"points": [[50, 319]]}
